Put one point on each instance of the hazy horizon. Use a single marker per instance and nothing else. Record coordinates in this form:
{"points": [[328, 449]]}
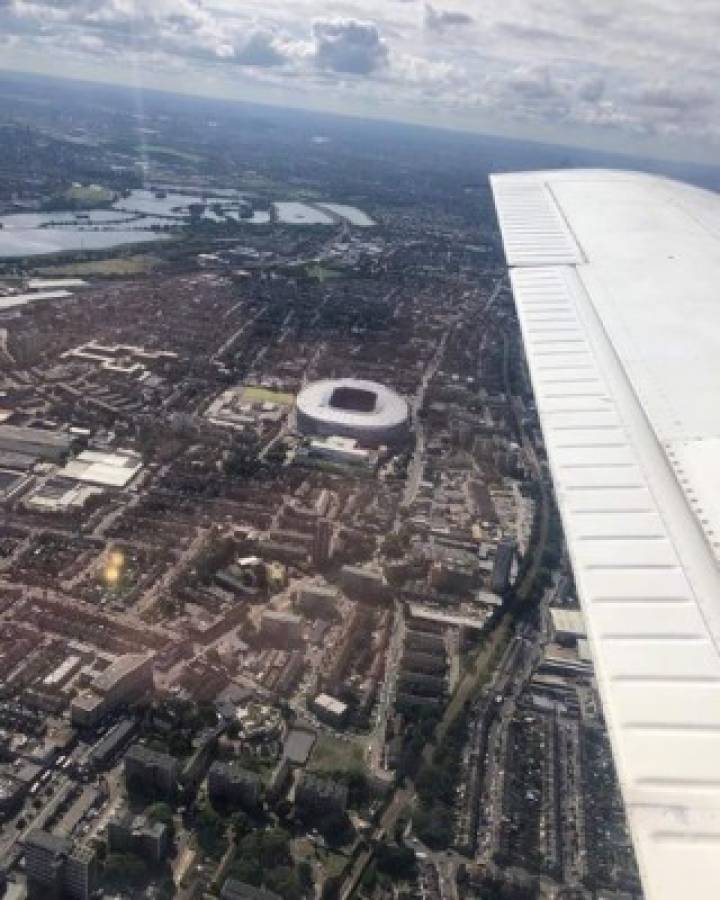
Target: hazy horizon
{"points": [[591, 75]]}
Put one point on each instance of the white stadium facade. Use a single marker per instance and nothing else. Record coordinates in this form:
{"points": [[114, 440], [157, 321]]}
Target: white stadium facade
{"points": [[616, 279], [370, 412]]}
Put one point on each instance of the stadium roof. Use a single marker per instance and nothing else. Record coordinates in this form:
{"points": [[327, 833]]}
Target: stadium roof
{"points": [[616, 278], [352, 405]]}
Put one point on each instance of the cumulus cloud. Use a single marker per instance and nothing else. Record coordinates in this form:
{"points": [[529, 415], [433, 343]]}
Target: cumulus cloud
{"points": [[442, 19], [349, 46], [260, 49], [571, 62]]}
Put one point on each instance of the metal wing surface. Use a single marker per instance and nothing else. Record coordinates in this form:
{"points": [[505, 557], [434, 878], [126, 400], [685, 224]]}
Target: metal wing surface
{"points": [[616, 278]]}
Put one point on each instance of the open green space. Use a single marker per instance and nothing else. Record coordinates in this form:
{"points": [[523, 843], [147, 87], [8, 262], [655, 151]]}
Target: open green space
{"points": [[89, 195], [257, 394], [161, 150], [322, 273], [331, 754], [137, 264]]}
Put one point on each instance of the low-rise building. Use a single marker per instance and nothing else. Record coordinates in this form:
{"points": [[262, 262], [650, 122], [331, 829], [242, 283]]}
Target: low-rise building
{"points": [[12, 791], [330, 709], [317, 600], [568, 625], [280, 627], [363, 583], [111, 744], [504, 555], [233, 889]]}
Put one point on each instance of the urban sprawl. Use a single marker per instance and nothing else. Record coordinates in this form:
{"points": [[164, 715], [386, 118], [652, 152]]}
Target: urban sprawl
{"points": [[285, 609]]}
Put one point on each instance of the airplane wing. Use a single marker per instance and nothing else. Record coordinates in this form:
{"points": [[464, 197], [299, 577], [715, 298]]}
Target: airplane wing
{"points": [[616, 278]]}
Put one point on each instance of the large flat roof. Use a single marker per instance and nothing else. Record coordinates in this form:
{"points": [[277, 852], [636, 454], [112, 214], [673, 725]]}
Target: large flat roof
{"points": [[21, 434], [616, 280]]}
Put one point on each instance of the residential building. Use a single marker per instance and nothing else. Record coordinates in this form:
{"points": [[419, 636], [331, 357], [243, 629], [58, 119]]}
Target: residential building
{"points": [[280, 627], [330, 709], [57, 868], [233, 785], [316, 795], [128, 833], [150, 772], [126, 679], [233, 889]]}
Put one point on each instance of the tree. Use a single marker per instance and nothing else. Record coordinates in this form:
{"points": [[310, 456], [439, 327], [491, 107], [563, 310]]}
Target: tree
{"points": [[433, 824], [161, 812], [210, 831], [397, 862]]}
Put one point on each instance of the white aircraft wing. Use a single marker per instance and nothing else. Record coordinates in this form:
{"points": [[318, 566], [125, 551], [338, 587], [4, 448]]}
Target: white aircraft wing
{"points": [[616, 278]]}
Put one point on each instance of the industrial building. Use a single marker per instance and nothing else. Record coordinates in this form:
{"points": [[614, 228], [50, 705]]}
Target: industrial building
{"points": [[37, 442], [112, 470], [367, 411]]}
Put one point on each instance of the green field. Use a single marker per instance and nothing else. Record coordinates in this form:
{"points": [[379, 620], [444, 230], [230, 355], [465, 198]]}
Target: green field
{"points": [[330, 754], [89, 195], [138, 264], [322, 273], [256, 394], [171, 153]]}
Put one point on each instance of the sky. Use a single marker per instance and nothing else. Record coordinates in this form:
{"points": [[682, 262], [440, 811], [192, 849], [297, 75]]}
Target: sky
{"points": [[630, 75]]}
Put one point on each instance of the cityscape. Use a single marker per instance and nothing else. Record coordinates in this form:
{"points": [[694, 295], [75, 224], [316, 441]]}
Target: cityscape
{"points": [[285, 605]]}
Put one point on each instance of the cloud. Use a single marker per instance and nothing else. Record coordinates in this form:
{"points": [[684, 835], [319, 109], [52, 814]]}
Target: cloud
{"points": [[569, 66], [533, 82], [261, 50], [442, 19], [531, 33], [591, 89], [349, 46], [670, 96]]}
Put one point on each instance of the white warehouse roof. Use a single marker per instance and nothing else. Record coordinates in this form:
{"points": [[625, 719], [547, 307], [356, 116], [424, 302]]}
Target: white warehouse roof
{"points": [[616, 279], [106, 469]]}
